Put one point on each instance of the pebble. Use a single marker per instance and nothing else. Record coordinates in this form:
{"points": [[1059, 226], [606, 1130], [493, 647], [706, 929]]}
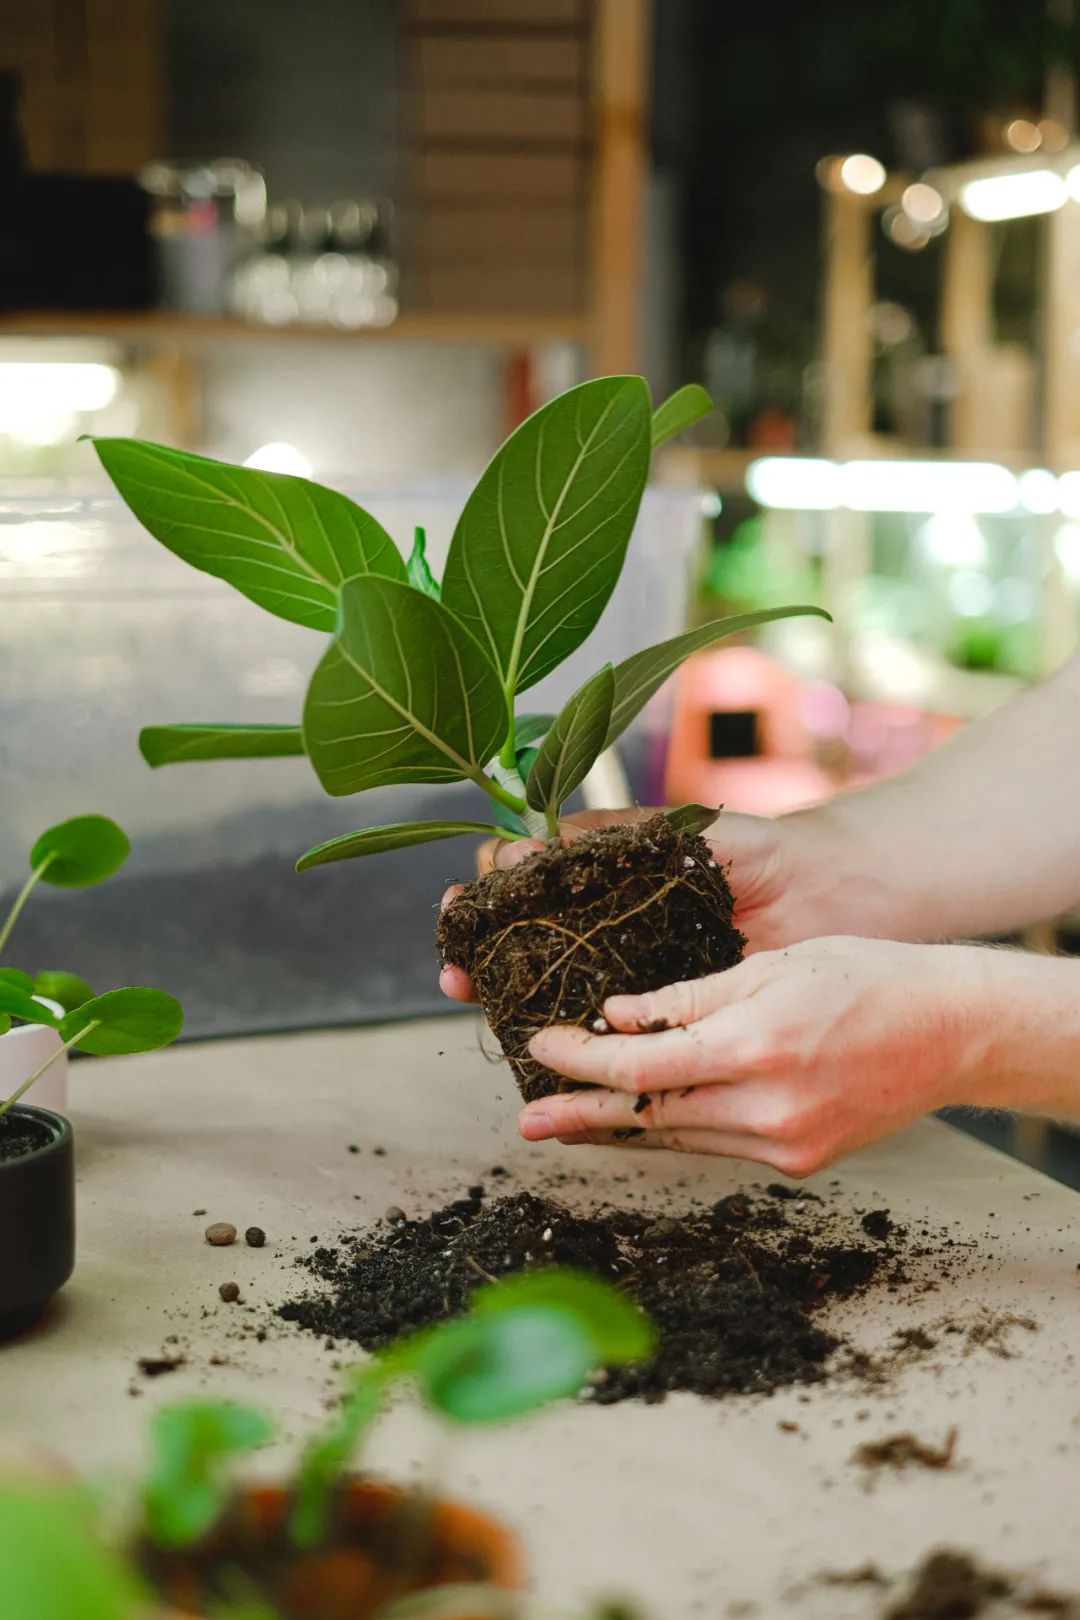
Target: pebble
{"points": [[600, 1026], [220, 1233], [230, 1292], [396, 1215], [255, 1237]]}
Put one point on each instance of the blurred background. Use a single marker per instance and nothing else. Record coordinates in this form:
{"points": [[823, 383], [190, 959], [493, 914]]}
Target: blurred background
{"points": [[360, 241]]}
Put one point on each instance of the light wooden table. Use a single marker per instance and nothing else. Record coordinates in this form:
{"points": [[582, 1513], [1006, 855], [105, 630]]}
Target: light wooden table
{"points": [[688, 1506]]}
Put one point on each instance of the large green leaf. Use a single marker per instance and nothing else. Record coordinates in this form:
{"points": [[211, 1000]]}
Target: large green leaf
{"points": [[638, 677], [376, 840], [180, 744], [53, 1563], [540, 544], [284, 542], [619, 1330], [20, 1004], [20, 980], [531, 728], [485, 1369], [135, 1019], [684, 407], [571, 747], [76, 853], [403, 694], [65, 988]]}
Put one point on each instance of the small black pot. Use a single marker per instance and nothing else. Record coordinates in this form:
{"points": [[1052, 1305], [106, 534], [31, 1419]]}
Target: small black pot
{"points": [[37, 1218]]}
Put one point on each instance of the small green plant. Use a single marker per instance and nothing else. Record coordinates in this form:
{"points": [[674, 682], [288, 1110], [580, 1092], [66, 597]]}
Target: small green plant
{"points": [[524, 1342], [74, 855], [421, 680]]}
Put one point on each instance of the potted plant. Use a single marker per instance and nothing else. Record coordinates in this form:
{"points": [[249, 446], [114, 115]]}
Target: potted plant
{"points": [[43, 1016], [330, 1545], [421, 681]]}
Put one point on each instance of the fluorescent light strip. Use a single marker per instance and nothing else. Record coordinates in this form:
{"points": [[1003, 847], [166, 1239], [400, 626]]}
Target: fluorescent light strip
{"points": [[1014, 196], [812, 484]]}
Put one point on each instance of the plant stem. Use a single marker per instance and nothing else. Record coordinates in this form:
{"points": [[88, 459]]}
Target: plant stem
{"points": [[551, 816], [496, 791], [48, 1063], [21, 898]]}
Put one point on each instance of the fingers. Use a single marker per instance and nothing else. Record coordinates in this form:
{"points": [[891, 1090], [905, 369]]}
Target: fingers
{"points": [[724, 1108], [503, 852], [455, 983], [676, 1004], [636, 1063], [724, 1144]]}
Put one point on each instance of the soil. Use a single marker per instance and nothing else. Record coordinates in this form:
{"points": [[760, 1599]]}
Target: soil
{"points": [[20, 1136], [951, 1585], [624, 909], [735, 1290], [900, 1451]]}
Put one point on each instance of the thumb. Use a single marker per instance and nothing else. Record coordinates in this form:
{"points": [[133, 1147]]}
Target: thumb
{"points": [[676, 1004], [499, 853]]}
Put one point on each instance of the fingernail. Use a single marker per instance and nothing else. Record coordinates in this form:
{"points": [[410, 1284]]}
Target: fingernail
{"points": [[535, 1127]]}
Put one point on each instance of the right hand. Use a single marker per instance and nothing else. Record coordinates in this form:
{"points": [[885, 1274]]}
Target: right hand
{"points": [[783, 877]]}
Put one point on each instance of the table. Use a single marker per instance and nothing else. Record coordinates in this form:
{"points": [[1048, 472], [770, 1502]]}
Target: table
{"points": [[687, 1506]]}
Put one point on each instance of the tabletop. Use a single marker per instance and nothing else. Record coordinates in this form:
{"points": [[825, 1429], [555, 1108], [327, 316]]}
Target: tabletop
{"points": [[690, 1507]]}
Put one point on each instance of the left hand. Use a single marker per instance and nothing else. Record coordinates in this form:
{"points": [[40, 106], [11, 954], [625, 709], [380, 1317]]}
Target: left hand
{"points": [[793, 1058]]}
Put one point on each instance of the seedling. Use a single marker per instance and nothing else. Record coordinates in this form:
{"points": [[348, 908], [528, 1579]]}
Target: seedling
{"points": [[74, 855], [421, 680]]}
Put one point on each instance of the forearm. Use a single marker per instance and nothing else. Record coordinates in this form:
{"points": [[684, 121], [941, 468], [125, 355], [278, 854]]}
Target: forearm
{"points": [[982, 836], [1022, 1035]]}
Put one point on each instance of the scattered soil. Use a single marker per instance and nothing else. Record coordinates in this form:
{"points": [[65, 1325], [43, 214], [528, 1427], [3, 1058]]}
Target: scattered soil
{"points": [[735, 1290], [952, 1585], [230, 1292], [625, 909], [902, 1451], [155, 1366], [20, 1136]]}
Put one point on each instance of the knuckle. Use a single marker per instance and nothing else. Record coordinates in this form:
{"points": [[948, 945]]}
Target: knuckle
{"points": [[675, 1142], [629, 1071], [799, 1161]]}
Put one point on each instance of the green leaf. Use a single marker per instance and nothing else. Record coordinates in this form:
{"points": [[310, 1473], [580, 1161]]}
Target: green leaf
{"points": [[84, 850], [190, 1443], [571, 747], [18, 979], [684, 407], [21, 1004], [540, 544], [283, 542], [403, 694], [135, 1019], [531, 728], [485, 1369], [66, 988], [692, 818], [619, 1331], [53, 1565], [5, 1023], [375, 840], [180, 744], [419, 574], [638, 677], [327, 1457]]}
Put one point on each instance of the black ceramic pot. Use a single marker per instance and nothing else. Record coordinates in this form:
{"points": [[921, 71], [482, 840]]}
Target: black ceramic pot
{"points": [[37, 1218]]}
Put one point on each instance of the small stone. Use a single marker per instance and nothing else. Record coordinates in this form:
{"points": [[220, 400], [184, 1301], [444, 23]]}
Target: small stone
{"points": [[546, 1235], [230, 1292], [396, 1216], [255, 1237], [600, 1026], [380, 1153], [198, 1212], [221, 1234], [688, 860], [354, 1147]]}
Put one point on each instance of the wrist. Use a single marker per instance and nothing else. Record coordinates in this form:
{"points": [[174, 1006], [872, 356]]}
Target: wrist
{"points": [[842, 885], [1022, 1034]]}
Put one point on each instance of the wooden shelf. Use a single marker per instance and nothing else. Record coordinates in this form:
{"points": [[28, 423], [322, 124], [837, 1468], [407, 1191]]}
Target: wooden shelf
{"points": [[162, 329]]}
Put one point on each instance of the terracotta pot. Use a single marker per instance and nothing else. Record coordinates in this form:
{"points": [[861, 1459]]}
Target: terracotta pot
{"points": [[347, 1580]]}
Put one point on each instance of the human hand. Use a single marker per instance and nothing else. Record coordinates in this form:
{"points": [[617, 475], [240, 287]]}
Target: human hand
{"points": [[793, 1058], [785, 875]]}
